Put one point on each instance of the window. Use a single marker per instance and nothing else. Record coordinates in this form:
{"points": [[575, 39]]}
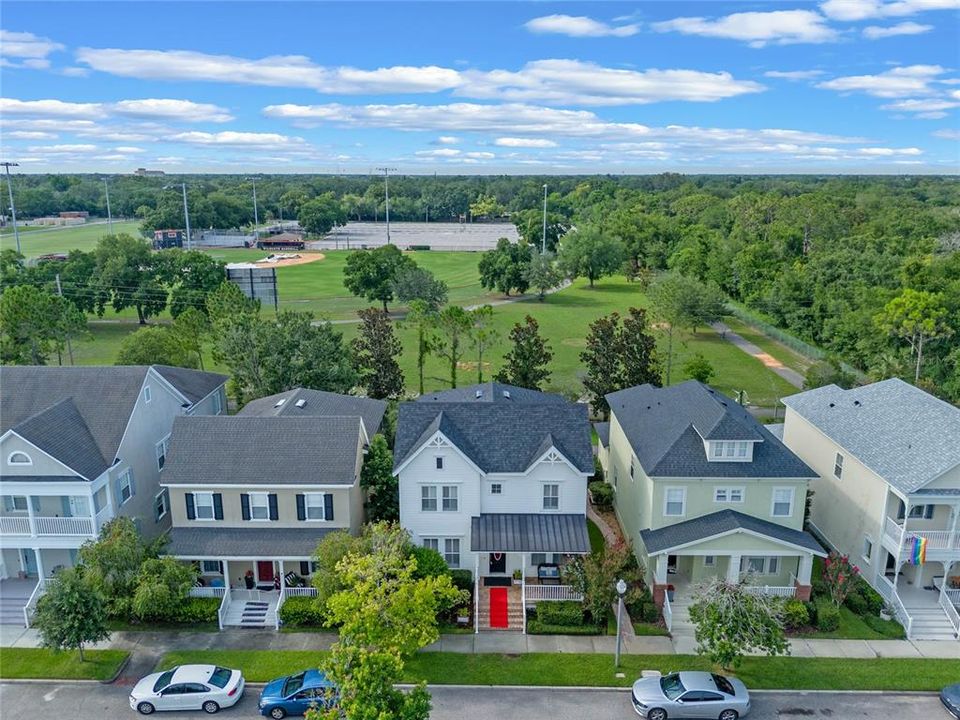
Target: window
{"points": [[709, 560], [147, 394], [674, 502], [125, 485], [761, 565], [718, 449], [19, 458], [428, 498], [922, 512], [439, 463], [538, 559], [736, 495], [259, 506], [217, 403], [728, 494], [496, 489], [631, 468], [782, 502], [773, 565], [432, 544], [756, 565], [551, 497], [162, 447], [451, 552], [450, 498], [211, 567], [15, 503], [160, 505], [838, 466], [867, 548], [720, 495], [742, 449], [730, 447], [204, 505], [313, 504]]}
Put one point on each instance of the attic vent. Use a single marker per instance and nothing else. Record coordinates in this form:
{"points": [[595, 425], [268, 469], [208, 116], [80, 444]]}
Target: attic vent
{"points": [[506, 394], [648, 407], [832, 404], [478, 394], [856, 403], [280, 402], [300, 403]]}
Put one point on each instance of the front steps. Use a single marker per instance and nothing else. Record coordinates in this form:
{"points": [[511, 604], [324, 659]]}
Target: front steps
{"points": [[514, 610], [256, 614], [930, 623]]}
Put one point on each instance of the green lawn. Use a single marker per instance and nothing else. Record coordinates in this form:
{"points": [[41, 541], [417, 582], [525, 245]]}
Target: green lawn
{"points": [[788, 356], [40, 241], [46, 664], [596, 537], [852, 627], [539, 669]]}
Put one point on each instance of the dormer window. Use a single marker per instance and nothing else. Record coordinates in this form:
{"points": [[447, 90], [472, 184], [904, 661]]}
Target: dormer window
{"points": [[729, 450], [19, 458]]}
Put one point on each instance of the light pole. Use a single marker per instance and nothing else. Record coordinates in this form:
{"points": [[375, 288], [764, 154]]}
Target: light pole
{"points": [[13, 209], [256, 218], [186, 210], [106, 189], [386, 190], [543, 240], [621, 591]]}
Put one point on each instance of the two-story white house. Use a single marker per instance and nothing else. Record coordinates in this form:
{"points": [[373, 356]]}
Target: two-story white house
{"points": [[887, 456], [252, 495], [703, 490], [494, 477], [79, 446]]}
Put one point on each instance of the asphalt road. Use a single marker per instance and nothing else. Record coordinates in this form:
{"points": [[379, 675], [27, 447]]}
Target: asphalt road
{"points": [[105, 702]]}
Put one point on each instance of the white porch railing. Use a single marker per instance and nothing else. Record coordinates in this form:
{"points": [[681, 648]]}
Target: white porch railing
{"points": [[30, 608], [300, 591], [667, 612], [536, 593], [936, 539], [523, 601], [771, 590], [952, 615], [224, 607], [892, 529], [207, 592], [888, 592], [954, 597], [64, 525], [11, 525]]}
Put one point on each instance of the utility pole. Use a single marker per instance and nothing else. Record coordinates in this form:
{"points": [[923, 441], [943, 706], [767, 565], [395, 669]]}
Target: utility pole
{"points": [[186, 211], [69, 345], [543, 240], [256, 218], [13, 209], [386, 190], [106, 189]]}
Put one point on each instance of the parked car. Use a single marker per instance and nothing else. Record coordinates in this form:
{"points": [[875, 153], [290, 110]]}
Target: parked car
{"points": [[690, 695], [950, 697], [188, 687], [293, 695]]}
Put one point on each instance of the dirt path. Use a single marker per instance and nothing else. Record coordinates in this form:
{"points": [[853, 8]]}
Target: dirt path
{"points": [[791, 376]]}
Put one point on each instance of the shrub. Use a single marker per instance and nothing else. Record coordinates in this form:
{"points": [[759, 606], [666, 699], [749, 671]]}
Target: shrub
{"points": [[795, 614], [463, 579], [828, 617], [535, 627], [301, 611], [650, 613], [840, 576], [856, 603], [566, 613], [888, 628], [811, 612], [597, 470], [872, 598], [430, 563], [602, 494], [198, 610]]}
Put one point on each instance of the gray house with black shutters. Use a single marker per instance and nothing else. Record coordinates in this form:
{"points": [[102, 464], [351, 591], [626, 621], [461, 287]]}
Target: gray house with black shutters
{"points": [[251, 497]]}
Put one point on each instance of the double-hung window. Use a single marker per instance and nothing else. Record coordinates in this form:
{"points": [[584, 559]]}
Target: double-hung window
{"points": [[551, 496], [313, 505], [451, 502], [675, 501], [728, 495], [160, 505], [838, 466], [125, 484], [782, 502], [432, 544], [451, 552], [428, 498], [162, 447], [259, 506], [742, 449], [211, 567], [720, 495], [718, 449], [867, 548], [203, 502]]}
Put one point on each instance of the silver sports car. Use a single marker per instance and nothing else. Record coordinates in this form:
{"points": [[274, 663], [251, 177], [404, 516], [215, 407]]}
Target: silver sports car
{"points": [[690, 695]]}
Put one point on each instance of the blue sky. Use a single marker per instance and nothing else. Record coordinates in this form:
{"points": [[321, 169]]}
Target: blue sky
{"points": [[836, 86]]}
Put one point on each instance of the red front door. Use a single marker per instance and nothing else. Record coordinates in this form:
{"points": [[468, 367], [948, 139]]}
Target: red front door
{"points": [[265, 571]]}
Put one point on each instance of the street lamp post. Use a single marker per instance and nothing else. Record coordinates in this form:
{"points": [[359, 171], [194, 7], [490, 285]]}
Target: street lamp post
{"points": [[543, 240], [106, 189], [621, 591], [256, 217], [186, 210], [13, 209], [386, 190]]}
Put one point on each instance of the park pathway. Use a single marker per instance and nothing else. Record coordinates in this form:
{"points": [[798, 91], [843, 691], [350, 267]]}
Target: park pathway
{"points": [[791, 376]]}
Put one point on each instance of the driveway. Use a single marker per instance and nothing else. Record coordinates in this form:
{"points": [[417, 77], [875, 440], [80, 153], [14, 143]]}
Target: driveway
{"points": [[95, 702]]}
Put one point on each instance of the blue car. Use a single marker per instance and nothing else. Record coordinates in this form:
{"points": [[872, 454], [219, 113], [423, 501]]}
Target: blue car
{"points": [[294, 695]]}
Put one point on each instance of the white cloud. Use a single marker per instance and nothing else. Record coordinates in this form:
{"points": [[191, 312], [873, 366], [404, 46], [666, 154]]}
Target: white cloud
{"points": [[276, 71], [26, 45], [887, 152], [894, 83], [578, 26], [30, 135], [74, 148], [480, 155], [780, 27], [874, 32], [571, 82], [439, 152], [50, 108], [516, 142], [793, 74], [167, 109], [128, 150], [947, 134], [447, 140], [75, 71], [272, 140], [851, 10], [921, 106]]}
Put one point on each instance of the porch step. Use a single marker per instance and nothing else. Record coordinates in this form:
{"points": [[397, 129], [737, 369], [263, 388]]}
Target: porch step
{"points": [[930, 623], [251, 614]]}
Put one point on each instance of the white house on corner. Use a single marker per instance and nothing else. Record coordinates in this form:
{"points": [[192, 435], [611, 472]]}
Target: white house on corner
{"points": [[494, 477]]}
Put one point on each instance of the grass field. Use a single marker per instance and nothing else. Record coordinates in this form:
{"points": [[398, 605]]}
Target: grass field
{"points": [[39, 663], [567, 669], [788, 356], [36, 241]]}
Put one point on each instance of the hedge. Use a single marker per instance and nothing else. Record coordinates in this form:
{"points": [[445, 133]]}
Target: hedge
{"points": [[535, 627], [301, 611], [198, 610], [564, 613]]}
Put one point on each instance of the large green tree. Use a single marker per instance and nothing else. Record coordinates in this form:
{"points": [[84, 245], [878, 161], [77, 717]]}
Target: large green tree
{"points": [[70, 614], [542, 273], [604, 371], [383, 496], [35, 323], [113, 563], [505, 267], [128, 274], [453, 325], [320, 215], [636, 348], [483, 334], [375, 352], [412, 283], [422, 318], [191, 276], [589, 252], [526, 363], [155, 345], [919, 317], [371, 273]]}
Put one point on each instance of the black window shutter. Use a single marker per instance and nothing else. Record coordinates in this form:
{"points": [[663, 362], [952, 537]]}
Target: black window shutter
{"points": [[301, 507], [928, 512], [304, 567], [901, 511], [191, 508], [218, 506], [245, 506], [328, 507], [274, 512]]}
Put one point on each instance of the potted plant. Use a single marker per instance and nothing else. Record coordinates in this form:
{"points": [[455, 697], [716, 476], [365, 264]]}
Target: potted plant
{"points": [[517, 576], [887, 612], [670, 593], [463, 615]]}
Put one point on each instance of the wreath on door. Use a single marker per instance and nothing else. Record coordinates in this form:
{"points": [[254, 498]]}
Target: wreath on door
{"points": [[497, 556]]}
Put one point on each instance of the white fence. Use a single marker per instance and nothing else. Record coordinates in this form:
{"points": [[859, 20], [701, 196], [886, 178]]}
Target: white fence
{"points": [[31, 606], [224, 607], [207, 592], [952, 615], [889, 593], [536, 593], [771, 590], [300, 591], [14, 526], [667, 612]]}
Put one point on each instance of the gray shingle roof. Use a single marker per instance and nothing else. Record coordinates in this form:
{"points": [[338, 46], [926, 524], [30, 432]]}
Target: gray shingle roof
{"points": [[42, 478], [906, 436], [707, 526], [221, 450], [603, 433], [491, 392], [317, 403], [194, 384], [529, 532], [666, 428], [498, 437], [79, 414], [255, 543]]}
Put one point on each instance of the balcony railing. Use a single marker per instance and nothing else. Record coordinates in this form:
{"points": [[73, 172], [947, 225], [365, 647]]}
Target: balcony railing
{"points": [[536, 593], [771, 590], [207, 592], [936, 539], [10, 525], [46, 526]]}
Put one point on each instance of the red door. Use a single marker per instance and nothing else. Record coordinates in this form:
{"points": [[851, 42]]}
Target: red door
{"points": [[265, 571]]}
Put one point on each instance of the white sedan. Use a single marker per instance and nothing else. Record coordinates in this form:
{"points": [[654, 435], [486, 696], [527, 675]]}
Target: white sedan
{"points": [[188, 687]]}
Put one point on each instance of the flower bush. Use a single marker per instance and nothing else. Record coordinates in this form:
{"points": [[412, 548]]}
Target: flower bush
{"points": [[839, 576]]}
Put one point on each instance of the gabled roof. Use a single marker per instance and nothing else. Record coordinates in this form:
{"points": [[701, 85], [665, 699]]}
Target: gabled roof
{"points": [[603, 433], [492, 392], [666, 428], [79, 414], [906, 436], [529, 532], [498, 437], [234, 450], [720, 523], [262, 542], [317, 403]]}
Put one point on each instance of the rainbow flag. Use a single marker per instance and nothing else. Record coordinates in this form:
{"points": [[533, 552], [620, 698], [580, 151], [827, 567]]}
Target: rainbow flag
{"points": [[918, 553]]}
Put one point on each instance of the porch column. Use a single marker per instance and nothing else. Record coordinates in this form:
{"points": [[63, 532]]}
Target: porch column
{"points": [[40, 573], [953, 530], [523, 590], [476, 593], [226, 576], [660, 580], [733, 569], [283, 580], [802, 585], [30, 516]]}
